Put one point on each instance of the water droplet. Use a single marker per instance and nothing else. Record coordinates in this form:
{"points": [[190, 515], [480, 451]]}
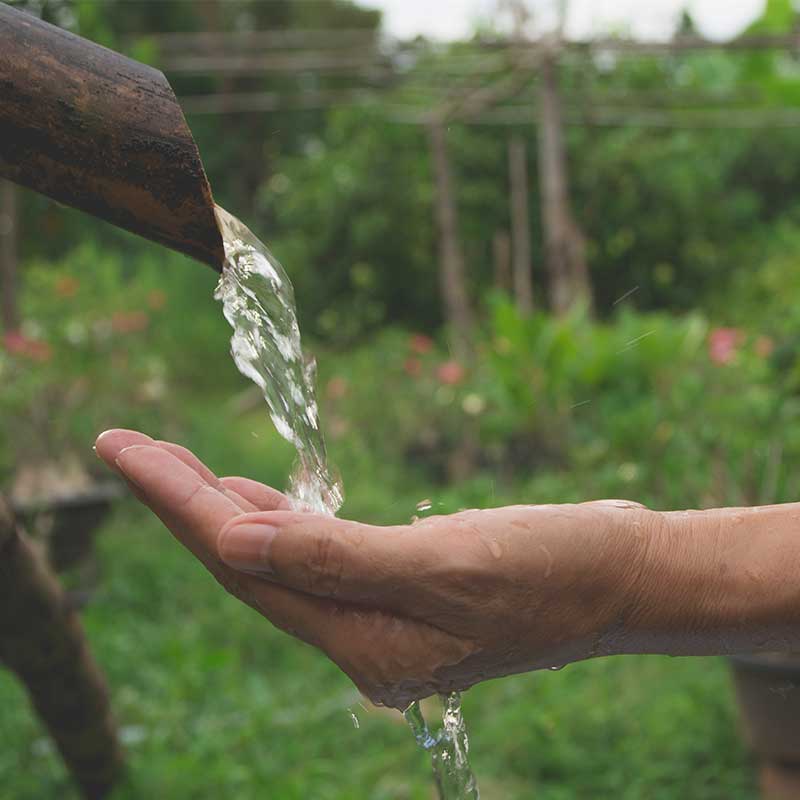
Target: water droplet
{"points": [[495, 548], [557, 667], [425, 505], [549, 568], [356, 723]]}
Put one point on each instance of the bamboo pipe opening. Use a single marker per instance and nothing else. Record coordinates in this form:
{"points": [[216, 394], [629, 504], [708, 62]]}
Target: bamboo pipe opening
{"points": [[95, 130]]}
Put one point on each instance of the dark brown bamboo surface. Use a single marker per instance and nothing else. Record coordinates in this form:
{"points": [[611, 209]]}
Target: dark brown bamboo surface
{"points": [[103, 133]]}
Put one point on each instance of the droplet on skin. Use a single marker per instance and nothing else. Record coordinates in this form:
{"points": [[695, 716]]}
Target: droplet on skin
{"points": [[549, 569], [495, 548]]}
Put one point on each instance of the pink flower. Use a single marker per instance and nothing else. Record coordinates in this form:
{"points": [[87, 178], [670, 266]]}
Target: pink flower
{"points": [[450, 373], [14, 342], [723, 344], [34, 349], [129, 321], [420, 344]]}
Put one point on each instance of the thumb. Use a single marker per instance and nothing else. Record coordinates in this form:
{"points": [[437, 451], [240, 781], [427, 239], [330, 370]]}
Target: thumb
{"points": [[334, 558]]}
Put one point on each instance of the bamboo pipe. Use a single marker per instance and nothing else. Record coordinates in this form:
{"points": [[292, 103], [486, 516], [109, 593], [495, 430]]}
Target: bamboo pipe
{"points": [[98, 131]]}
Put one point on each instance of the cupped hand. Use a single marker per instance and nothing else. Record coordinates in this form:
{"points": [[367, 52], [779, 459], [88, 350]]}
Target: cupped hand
{"points": [[410, 610]]}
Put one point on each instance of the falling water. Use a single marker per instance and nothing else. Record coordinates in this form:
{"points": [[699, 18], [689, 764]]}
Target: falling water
{"points": [[449, 749], [258, 302]]}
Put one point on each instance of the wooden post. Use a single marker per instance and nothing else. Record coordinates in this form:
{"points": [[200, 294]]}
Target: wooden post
{"points": [[452, 278], [565, 249], [520, 226], [9, 312], [501, 257], [42, 641]]}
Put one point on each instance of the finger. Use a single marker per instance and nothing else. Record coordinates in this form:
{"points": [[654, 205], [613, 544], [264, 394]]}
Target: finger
{"points": [[262, 497], [314, 620], [394, 659], [193, 510], [111, 443], [191, 460], [328, 557], [167, 480]]}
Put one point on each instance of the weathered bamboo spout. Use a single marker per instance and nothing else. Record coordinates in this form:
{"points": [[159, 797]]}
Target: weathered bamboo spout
{"points": [[103, 133]]}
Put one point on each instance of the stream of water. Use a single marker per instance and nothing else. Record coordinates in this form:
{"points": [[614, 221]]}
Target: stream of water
{"points": [[258, 302]]}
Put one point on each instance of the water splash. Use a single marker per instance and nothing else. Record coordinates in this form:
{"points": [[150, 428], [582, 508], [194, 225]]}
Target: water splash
{"points": [[258, 302], [449, 749]]}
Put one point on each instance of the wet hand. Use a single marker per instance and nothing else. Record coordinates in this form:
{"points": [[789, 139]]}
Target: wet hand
{"points": [[453, 600], [410, 610]]}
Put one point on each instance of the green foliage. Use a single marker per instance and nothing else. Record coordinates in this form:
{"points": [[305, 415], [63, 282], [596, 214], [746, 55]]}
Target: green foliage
{"points": [[672, 211], [103, 344], [669, 411], [359, 251]]}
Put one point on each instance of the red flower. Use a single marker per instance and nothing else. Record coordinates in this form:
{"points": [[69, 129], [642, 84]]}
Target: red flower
{"points": [[34, 349], [129, 321], [420, 344], [413, 367], [450, 373], [723, 344]]}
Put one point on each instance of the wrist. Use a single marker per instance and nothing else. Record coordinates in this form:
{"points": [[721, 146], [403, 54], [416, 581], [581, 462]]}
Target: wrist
{"points": [[632, 575], [719, 581]]}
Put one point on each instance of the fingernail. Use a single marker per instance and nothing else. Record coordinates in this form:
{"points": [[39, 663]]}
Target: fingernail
{"points": [[247, 546]]}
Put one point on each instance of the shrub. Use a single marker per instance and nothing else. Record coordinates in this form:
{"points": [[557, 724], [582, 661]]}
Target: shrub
{"points": [[665, 409]]}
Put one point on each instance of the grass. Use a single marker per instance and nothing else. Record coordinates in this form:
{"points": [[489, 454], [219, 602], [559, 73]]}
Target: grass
{"points": [[214, 702]]}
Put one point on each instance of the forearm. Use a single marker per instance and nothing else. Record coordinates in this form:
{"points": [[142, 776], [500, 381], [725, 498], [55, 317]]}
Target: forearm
{"points": [[719, 581]]}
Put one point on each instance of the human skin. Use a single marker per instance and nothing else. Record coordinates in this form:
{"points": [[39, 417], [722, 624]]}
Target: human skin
{"points": [[411, 610]]}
